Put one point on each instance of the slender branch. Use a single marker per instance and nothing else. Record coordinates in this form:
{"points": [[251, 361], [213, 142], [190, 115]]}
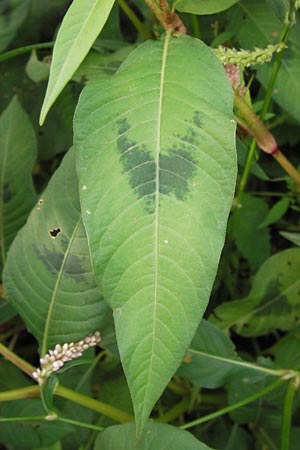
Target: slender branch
{"points": [[267, 100], [248, 120], [21, 393], [166, 16], [16, 360], [95, 405], [142, 29], [174, 412], [21, 50], [237, 405], [287, 413]]}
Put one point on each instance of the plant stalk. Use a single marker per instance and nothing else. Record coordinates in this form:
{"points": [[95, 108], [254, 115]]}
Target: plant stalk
{"points": [[267, 100], [16, 360], [237, 405], [95, 405], [21, 50], [287, 413], [166, 16], [138, 24]]}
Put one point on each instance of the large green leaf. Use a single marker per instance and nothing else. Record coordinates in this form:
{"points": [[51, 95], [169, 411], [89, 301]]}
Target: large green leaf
{"points": [[17, 157], [48, 275], [157, 167], [273, 302], [157, 436], [80, 27], [12, 14], [203, 6]]}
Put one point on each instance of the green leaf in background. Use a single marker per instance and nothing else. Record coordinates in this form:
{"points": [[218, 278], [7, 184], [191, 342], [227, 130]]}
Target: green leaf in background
{"points": [[259, 27], [252, 242], [157, 436], [80, 27], [12, 14], [61, 303], [287, 350], [210, 360], [273, 302], [17, 157], [157, 167], [157, 174], [276, 212], [98, 66], [293, 237], [242, 153], [36, 69], [203, 6]]}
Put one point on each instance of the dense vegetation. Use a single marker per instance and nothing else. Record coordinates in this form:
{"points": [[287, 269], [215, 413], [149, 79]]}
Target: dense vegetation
{"points": [[149, 224]]}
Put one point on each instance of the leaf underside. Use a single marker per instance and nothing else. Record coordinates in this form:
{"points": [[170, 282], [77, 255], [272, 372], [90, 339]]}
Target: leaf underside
{"points": [[60, 302], [157, 167]]}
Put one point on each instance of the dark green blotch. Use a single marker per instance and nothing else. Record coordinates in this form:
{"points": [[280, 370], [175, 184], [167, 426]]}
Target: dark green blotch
{"points": [[6, 194], [73, 265], [197, 119], [138, 164], [177, 167]]}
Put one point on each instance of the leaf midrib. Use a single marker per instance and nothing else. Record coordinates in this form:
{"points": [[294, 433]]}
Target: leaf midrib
{"points": [[55, 290], [156, 219]]}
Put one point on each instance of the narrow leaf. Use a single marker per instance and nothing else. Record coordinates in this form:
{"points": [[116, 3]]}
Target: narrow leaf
{"points": [[48, 275], [273, 302], [17, 157], [82, 23], [293, 237], [276, 212], [157, 167], [157, 436]]}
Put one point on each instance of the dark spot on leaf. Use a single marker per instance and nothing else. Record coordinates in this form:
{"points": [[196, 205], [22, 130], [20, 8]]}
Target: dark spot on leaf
{"points": [[6, 194], [73, 265], [289, 262], [55, 232], [41, 201], [197, 119], [138, 164], [177, 167]]}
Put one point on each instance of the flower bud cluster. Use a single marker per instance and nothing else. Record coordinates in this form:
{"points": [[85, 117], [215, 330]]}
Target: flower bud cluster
{"points": [[61, 354], [247, 58]]}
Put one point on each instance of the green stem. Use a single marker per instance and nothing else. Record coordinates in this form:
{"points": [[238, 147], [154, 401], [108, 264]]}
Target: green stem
{"points": [[142, 29], [21, 419], [21, 50], [196, 27], [16, 360], [237, 405], [287, 413], [174, 412], [21, 393], [91, 426], [56, 419], [95, 405], [267, 100]]}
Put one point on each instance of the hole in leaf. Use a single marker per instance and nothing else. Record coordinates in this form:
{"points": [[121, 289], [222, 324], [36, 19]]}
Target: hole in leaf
{"points": [[54, 232]]}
